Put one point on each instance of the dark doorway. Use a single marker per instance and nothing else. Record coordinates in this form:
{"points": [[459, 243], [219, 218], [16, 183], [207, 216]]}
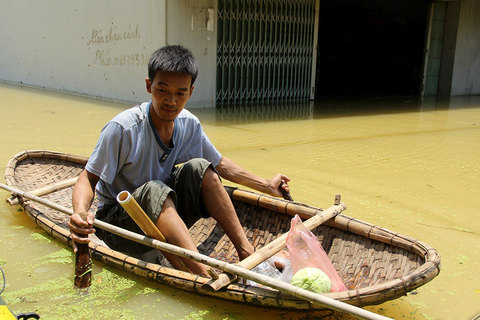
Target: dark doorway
{"points": [[370, 47]]}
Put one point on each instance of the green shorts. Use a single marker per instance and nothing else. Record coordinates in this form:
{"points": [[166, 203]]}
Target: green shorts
{"points": [[183, 186]]}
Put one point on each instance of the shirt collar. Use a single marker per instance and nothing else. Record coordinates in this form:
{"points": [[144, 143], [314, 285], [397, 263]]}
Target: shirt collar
{"points": [[166, 150]]}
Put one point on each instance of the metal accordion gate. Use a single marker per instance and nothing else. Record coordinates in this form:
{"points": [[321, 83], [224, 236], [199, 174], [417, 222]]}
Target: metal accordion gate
{"points": [[264, 50]]}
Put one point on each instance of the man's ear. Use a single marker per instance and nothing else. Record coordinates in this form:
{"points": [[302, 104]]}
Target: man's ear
{"points": [[148, 84], [191, 91]]}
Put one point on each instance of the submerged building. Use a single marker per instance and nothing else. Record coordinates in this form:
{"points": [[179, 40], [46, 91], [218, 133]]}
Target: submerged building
{"points": [[249, 51]]}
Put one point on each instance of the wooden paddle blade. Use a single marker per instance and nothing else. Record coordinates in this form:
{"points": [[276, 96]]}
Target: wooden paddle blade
{"points": [[83, 263], [83, 267]]}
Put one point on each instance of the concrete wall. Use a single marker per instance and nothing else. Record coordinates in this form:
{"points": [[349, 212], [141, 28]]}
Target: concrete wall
{"points": [[466, 71], [193, 24], [101, 48]]}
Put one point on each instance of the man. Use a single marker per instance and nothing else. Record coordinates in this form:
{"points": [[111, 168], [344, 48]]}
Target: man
{"points": [[141, 150]]}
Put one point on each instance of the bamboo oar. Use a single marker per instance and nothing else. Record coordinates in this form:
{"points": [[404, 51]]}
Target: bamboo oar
{"points": [[276, 245], [247, 274], [47, 189]]}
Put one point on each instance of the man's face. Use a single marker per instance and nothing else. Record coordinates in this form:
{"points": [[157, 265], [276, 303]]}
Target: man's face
{"points": [[170, 92]]}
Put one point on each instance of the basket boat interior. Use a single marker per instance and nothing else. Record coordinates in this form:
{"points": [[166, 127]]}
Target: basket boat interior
{"points": [[364, 255]]}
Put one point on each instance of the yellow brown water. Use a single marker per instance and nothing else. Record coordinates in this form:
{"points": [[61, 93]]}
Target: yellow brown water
{"points": [[412, 167]]}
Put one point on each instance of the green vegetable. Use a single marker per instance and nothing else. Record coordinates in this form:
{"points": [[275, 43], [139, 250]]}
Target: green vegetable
{"points": [[312, 279]]}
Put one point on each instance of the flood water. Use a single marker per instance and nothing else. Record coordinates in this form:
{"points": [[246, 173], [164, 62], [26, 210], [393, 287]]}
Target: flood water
{"points": [[407, 165]]}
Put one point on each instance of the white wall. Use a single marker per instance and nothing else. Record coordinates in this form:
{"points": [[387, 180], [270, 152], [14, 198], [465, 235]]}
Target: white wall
{"points": [[193, 24], [99, 48], [466, 70]]}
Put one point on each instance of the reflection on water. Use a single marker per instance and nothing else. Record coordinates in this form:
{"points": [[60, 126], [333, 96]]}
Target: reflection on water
{"points": [[336, 107], [264, 112], [404, 163]]}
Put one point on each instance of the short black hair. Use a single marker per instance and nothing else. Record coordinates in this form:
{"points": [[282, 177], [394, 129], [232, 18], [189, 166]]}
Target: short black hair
{"points": [[173, 58]]}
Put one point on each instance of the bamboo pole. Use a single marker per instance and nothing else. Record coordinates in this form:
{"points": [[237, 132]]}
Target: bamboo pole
{"points": [[139, 216], [276, 245], [247, 274], [47, 189], [136, 212], [225, 266]]}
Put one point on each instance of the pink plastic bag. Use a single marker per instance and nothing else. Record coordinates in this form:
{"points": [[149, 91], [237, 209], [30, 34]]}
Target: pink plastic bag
{"points": [[306, 251]]}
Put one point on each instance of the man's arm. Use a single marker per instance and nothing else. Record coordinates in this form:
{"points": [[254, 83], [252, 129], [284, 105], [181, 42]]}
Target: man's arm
{"points": [[82, 199], [233, 172]]}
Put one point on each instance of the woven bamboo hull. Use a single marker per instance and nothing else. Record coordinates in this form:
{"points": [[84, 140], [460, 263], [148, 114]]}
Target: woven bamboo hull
{"points": [[375, 264]]}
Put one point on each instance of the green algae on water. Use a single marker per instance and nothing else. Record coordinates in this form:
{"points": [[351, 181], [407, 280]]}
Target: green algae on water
{"points": [[30, 293], [40, 237], [148, 290], [197, 315], [57, 299], [62, 256]]}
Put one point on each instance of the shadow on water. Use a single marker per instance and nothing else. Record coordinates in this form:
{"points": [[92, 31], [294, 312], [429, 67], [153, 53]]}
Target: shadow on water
{"points": [[333, 107]]}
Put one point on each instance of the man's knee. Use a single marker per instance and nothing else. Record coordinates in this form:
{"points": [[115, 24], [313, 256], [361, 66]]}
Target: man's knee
{"points": [[152, 195], [153, 186], [197, 166], [211, 177]]}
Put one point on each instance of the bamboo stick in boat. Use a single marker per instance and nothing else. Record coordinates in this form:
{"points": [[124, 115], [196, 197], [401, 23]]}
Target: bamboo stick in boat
{"points": [[276, 245], [136, 212], [47, 189], [139, 216], [247, 274]]}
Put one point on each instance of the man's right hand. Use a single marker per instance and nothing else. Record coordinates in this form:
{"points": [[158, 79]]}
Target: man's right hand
{"points": [[81, 228], [81, 222]]}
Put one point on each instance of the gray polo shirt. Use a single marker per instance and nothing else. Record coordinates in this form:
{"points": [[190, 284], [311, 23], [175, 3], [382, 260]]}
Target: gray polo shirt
{"points": [[129, 151]]}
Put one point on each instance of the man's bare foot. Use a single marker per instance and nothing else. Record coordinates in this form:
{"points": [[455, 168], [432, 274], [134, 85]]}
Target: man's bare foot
{"points": [[279, 263]]}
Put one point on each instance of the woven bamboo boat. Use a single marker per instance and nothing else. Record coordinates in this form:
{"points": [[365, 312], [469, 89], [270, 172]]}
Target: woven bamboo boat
{"points": [[375, 264]]}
